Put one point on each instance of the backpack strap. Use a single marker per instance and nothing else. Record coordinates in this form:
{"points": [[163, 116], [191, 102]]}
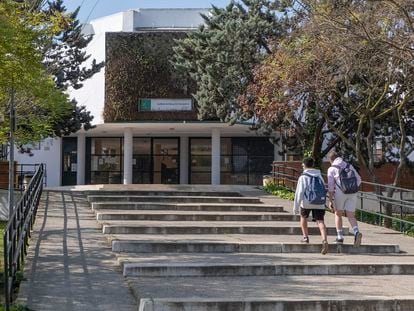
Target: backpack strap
{"points": [[311, 176]]}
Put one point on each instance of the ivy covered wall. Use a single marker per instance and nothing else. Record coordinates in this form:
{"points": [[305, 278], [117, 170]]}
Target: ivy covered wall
{"points": [[138, 67]]}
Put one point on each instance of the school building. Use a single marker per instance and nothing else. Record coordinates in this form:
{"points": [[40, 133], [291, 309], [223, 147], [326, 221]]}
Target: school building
{"points": [[147, 131]]}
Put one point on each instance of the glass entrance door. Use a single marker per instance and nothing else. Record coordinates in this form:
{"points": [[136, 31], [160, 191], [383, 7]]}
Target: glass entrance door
{"points": [[165, 161], [69, 160]]}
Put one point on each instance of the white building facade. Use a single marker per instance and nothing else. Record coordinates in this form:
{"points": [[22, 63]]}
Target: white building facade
{"points": [[161, 141]]}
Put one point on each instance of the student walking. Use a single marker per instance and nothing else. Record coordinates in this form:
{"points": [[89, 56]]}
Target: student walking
{"points": [[310, 196], [343, 183]]}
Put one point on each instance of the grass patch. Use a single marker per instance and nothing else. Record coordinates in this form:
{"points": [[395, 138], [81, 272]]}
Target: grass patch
{"points": [[279, 191]]}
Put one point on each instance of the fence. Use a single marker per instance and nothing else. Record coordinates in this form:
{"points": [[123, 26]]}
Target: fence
{"points": [[17, 232], [25, 172], [387, 204]]}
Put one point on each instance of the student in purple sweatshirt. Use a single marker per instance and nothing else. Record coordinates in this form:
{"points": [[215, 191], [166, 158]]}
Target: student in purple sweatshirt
{"points": [[342, 202]]}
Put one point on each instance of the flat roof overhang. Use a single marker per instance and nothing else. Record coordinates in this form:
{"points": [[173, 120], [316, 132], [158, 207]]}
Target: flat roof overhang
{"points": [[181, 128]]}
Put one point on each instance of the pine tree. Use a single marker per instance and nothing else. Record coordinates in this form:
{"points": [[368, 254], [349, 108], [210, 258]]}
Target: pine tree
{"points": [[222, 54], [64, 59]]}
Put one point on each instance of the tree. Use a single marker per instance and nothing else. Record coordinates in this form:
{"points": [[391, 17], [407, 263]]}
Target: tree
{"points": [[221, 55], [23, 76], [352, 63], [65, 59]]}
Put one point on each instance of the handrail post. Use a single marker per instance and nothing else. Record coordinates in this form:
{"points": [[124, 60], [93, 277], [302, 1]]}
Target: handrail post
{"points": [[6, 270]]}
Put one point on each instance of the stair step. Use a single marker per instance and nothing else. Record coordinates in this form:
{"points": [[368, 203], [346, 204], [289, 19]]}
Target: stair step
{"points": [[261, 264], [370, 304], [170, 199], [293, 293], [260, 269], [137, 246], [193, 216], [234, 207], [158, 227], [163, 193]]}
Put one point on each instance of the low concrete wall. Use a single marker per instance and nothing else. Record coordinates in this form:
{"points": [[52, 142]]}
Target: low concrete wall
{"points": [[4, 206]]}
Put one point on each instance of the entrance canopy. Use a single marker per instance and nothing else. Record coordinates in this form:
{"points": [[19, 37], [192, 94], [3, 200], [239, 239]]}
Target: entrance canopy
{"points": [[154, 128]]}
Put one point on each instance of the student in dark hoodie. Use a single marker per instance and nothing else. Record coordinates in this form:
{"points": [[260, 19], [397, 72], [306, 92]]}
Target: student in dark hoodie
{"points": [[301, 206]]}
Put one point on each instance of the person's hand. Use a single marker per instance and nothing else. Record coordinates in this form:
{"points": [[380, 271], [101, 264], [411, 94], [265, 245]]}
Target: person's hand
{"points": [[295, 211]]}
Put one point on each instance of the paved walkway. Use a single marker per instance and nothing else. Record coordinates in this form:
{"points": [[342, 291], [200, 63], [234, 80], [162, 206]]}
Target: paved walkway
{"points": [[69, 265]]}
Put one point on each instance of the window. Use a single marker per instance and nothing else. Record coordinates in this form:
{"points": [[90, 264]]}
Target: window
{"points": [[200, 160], [106, 164]]}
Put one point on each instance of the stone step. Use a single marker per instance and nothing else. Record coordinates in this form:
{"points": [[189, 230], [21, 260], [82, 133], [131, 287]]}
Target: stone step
{"points": [[163, 193], [191, 227], [171, 199], [243, 264], [260, 269], [356, 304], [144, 246], [293, 293], [193, 216], [231, 207]]}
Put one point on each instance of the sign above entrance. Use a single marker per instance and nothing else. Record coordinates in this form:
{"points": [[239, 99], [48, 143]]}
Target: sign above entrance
{"points": [[159, 104]]}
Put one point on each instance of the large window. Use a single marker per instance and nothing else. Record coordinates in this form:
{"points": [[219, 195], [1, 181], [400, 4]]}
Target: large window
{"points": [[156, 161], [165, 160], [106, 165], [244, 161], [200, 160], [142, 161]]}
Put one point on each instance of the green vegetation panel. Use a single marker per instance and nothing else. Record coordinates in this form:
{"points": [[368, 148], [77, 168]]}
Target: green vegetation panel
{"points": [[279, 191]]}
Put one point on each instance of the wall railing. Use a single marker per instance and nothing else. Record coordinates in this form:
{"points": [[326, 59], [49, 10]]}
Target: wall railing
{"points": [[375, 199]]}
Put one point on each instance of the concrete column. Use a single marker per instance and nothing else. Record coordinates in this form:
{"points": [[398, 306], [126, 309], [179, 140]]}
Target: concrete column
{"points": [[184, 160], [215, 156], [81, 154], [128, 154]]}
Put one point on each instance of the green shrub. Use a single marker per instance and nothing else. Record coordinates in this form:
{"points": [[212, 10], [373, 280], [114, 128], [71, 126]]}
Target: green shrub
{"points": [[279, 191], [379, 221]]}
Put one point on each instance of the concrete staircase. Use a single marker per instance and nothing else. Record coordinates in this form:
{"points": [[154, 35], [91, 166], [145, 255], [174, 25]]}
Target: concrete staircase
{"points": [[201, 250]]}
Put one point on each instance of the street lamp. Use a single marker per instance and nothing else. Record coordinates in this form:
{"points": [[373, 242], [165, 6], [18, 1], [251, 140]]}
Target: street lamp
{"points": [[11, 143], [11, 154]]}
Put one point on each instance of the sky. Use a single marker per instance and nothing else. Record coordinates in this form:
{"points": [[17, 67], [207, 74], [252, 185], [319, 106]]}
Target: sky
{"points": [[91, 9]]}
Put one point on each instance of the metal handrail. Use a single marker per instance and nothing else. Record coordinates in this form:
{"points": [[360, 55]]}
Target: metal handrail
{"points": [[24, 170], [18, 231], [280, 174]]}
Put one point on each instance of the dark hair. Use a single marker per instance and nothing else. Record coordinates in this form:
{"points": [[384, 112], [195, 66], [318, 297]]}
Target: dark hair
{"points": [[308, 162]]}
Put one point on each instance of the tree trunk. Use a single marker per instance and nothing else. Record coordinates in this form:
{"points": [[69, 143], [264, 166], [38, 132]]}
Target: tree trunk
{"points": [[317, 143], [403, 164]]}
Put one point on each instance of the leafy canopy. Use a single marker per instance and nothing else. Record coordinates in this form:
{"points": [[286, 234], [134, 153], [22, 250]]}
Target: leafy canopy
{"points": [[39, 104]]}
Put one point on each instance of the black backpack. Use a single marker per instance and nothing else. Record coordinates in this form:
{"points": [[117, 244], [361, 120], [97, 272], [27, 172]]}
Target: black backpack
{"points": [[348, 182]]}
